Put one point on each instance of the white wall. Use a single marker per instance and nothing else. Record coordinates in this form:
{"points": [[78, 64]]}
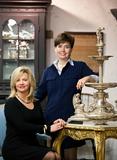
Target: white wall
{"points": [[87, 16]]}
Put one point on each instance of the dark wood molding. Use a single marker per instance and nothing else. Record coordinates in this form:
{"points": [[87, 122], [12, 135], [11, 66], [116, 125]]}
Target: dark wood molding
{"points": [[49, 34], [24, 3], [114, 12]]}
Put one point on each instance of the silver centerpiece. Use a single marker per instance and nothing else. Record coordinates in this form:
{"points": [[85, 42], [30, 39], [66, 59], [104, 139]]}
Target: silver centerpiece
{"points": [[100, 110]]}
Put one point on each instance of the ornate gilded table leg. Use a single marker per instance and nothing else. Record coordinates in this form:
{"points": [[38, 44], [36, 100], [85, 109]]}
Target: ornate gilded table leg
{"points": [[58, 141], [100, 145]]}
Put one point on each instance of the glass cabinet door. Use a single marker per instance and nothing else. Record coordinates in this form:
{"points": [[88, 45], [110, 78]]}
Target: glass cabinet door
{"points": [[18, 46]]}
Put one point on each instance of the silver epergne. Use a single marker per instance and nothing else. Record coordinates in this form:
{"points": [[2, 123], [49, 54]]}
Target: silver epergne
{"points": [[100, 110]]}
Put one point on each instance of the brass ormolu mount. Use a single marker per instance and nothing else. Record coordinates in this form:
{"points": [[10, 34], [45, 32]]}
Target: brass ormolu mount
{"points": [[100, 110]]}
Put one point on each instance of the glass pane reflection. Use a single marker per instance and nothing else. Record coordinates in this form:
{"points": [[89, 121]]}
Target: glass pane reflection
{"points": [[18, 46], [26, 30], [28, 63], [10, 30], [8, 68]]}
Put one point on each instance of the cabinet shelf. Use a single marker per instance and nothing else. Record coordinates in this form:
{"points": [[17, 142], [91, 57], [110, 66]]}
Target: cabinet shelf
{"points": [[7, 39], [14, 60]]}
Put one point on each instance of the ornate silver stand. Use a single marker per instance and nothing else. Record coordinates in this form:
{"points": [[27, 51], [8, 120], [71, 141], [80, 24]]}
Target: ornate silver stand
{"points": [[100, 110]]}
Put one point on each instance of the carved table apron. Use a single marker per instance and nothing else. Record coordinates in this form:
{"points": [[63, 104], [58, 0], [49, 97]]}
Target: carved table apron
{"points": [[88, 130]]}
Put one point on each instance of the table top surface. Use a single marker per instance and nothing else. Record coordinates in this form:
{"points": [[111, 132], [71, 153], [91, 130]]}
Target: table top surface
{"points": [[90, 125]]}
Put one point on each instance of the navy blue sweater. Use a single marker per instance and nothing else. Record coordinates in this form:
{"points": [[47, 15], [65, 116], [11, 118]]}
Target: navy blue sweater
{"points": [[60, 89]]}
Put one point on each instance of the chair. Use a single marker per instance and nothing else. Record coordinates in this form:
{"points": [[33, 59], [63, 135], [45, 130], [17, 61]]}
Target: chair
{"points": [[2, 128], [44, 139]]}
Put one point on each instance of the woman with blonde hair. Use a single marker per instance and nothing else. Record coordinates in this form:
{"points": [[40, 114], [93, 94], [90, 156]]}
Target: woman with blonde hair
{"points": [[24, 119]]}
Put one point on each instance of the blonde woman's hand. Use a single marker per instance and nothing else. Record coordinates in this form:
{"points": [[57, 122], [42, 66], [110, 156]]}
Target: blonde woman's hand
{"points": [[60, 121], [57, 125]]}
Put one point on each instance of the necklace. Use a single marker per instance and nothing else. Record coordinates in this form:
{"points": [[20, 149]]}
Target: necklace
{"points": [[21, 99]]}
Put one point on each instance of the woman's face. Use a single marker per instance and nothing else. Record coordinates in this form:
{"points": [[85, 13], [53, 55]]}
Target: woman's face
{"points": [[63, 51], [23, 84]]}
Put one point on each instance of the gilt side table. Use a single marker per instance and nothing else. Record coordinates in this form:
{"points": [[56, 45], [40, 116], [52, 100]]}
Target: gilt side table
{"points": [[88, 130]]}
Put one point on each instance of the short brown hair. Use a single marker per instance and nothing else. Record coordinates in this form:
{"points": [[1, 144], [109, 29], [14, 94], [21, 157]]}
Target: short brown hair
{"points": [[64, 37]]}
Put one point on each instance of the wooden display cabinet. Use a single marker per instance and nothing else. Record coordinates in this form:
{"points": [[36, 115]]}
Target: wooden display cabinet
{"points": [[22, 38]]}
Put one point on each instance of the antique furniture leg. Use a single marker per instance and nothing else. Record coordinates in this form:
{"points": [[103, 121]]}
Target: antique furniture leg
{"points": [[100, 146], [58, 141]]}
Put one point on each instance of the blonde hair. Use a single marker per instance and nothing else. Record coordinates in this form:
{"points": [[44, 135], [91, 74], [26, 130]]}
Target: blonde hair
{"points": [[18, 72]]}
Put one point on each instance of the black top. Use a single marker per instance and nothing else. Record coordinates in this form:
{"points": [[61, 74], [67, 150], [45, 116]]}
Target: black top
{"points": [[22, 125]]}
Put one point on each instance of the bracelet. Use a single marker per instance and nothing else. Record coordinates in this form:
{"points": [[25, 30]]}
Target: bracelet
{"points": [[44, 128]]}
